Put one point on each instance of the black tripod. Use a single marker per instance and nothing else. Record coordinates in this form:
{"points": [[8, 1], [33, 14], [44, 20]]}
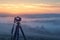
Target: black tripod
{"points": [[15, 35]]}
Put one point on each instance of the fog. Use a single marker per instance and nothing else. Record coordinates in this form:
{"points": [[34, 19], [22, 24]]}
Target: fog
{"points": [[41, 27]]}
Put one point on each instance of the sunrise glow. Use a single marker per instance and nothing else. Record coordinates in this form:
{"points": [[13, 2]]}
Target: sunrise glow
{"points": [[29, 8]]}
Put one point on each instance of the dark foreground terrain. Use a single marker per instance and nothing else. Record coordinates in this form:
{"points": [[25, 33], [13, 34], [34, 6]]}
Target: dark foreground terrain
{"points": [[7, 37]]}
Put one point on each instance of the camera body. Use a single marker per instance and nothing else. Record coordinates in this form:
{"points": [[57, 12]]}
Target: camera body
{"points": [[17, 19]]}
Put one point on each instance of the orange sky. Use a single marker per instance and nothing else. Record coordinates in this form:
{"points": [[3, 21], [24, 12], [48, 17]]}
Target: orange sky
{"points": [[29, 8]]}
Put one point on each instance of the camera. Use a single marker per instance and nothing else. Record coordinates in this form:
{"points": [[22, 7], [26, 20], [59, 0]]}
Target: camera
{"points": [[17, 19]]}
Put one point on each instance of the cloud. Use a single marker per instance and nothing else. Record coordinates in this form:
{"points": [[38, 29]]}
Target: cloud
{"points": [[29, 8], [31, 1]]}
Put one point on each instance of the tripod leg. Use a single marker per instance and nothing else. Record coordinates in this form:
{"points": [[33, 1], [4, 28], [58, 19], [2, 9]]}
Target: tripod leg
{"points": [[22, 33], [15, 34], [12, 29], [18, 34], [12, 32]]}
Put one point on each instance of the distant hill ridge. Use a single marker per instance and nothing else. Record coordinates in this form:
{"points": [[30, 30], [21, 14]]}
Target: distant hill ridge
{"points": [[41, 15], [31, 15]]}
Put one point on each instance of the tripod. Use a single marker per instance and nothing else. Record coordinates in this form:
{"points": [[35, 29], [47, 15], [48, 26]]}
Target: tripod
{"points": [[15, 35]]}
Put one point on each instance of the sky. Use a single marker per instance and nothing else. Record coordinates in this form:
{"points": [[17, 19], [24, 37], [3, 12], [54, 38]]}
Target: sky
{"points": [[29, 6]]}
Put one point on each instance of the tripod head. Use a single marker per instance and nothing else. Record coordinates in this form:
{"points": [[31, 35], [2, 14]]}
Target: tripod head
{"points": [[17, 19]]}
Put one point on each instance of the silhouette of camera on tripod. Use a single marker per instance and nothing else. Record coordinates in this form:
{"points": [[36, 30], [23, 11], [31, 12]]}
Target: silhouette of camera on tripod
{"points": [[15, 34]]}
